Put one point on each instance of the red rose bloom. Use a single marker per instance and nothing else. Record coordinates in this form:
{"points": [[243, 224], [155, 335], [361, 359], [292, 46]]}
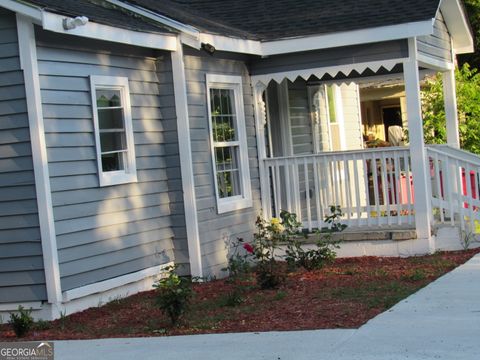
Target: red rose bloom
{"points": [[248, 248]]}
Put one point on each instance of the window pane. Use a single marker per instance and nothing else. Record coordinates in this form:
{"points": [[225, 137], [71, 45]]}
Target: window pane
{"points": [[223, 115], [106, 98], [226, 158], [113, 141], [110, 118], [113, 162], [226, 101], [228, 183], [331, 104], [228, 177], [215, 102]]}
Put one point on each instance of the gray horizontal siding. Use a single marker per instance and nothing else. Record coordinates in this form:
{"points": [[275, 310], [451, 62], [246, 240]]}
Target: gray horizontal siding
{"points": [[22, 275], [437, 45], [107, 232], [216, 230], [331, 57]]}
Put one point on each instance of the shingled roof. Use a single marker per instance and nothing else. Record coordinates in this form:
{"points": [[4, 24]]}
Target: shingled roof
{"points": [[268, 20], [101, 12]]}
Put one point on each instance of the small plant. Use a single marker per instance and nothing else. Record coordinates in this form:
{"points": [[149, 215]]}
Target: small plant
{"points": [[416, 275], [467, 239], [174, 294], [234, 297], [267, 240], [21, 322], [238, 265], [324, 252], [42, 325]]}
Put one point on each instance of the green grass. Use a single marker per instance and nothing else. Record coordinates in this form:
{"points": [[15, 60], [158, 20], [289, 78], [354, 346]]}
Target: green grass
{"points": [[372, 295]]}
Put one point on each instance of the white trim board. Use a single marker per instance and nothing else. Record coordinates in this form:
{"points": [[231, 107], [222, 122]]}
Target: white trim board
{"points": [[53, 22], [34, 305], [186, 29], [186, 161], [29, 11], [116, 282], [29, 64]]}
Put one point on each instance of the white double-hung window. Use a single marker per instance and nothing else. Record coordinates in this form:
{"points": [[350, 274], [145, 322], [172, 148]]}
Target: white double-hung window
{"points": [[228, 142], [113, 130]]}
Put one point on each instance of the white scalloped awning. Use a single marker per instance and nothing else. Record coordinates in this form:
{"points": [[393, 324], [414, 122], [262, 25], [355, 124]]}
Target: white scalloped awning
{"points": [[330, 70]]}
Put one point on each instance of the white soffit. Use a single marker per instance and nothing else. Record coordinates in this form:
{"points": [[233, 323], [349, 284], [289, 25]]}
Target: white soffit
{"points": [[330, 70], [457, 25]]}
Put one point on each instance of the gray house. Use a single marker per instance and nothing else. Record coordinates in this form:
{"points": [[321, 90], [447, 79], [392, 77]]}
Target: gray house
{"points": [[137, 134]]}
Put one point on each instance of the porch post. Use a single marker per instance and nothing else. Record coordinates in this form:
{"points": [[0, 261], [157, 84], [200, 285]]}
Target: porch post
{"points": [[451, 115], [260, 122], [419, 164]]}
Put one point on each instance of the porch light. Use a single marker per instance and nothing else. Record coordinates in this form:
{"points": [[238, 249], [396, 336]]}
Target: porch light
{"points": [[69, 23], [208, 48]]}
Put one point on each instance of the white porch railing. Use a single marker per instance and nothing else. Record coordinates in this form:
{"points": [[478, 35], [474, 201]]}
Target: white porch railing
{"points": [[455, 187], [373, 187]]}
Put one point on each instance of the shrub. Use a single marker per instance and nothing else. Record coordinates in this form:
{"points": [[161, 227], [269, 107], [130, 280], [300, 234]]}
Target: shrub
{"points": [[325, 246], [174, 294], [21, 322], [267, 240], [238, 265]]}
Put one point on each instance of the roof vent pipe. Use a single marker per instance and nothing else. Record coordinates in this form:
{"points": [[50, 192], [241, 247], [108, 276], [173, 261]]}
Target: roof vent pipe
{"points": [[69, 24]]}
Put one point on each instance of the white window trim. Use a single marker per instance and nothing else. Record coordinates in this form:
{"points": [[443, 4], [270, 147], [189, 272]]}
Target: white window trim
{"points": [[245, 200], [129, 175]]}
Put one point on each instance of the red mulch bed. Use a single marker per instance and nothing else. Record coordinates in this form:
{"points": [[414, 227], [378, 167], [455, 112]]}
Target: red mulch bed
{"points": [[345, 294]]}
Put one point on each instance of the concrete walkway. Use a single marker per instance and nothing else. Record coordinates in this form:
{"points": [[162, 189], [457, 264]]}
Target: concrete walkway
{"points": [[441, 321]]}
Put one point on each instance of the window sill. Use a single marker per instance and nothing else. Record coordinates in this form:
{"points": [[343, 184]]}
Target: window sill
{"points": [[117, 178], [233, 204]]}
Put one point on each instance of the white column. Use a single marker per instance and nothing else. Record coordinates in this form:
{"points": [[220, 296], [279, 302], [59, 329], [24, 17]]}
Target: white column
{"points": [[451, 115], [260, 121], [419, 164], [186, 162]]}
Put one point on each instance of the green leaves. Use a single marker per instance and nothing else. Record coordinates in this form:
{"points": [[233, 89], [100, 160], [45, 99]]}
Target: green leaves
{"points": [[468, 105], [174, 294]]}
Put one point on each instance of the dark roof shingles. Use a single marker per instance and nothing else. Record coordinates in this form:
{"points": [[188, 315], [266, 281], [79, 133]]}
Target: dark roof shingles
{"points": [[270, 20]]}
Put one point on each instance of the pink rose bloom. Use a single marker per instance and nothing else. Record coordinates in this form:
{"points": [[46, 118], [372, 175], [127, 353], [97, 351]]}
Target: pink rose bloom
{"points": [[248, 248]]}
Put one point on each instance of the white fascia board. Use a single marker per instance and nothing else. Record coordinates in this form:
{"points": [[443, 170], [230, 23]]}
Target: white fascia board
{"points": [[53, 22], [29, 11], [186, 29], [457, 25], [318, 42], [384, 33], [225, 43], [434, 64]]}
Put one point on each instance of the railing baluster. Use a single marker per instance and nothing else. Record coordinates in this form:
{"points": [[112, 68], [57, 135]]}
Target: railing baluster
{"points": [[296, 184], [307, 194], [397, 174], [375, 187], [288, 188], [385, 186], [357, 189], [317, 191], [346, 170], [278, 209]]}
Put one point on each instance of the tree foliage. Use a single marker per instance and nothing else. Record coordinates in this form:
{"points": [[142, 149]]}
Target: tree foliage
{"points": [[468, 104]]}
